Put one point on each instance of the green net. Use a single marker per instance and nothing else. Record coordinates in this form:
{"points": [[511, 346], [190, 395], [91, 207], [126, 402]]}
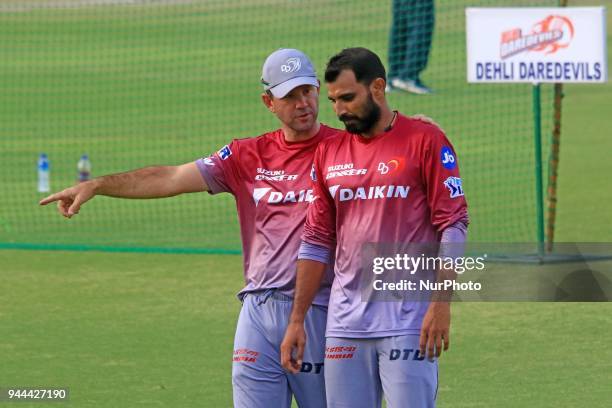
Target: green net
{"points": [[141, 82]]}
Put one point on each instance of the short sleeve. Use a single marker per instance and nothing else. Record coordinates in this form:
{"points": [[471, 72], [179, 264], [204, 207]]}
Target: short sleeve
{"points": [[320, 226], [443, 184], [220, 170]]}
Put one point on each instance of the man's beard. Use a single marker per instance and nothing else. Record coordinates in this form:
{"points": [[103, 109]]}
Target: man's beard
{"points": [[365, 123]]}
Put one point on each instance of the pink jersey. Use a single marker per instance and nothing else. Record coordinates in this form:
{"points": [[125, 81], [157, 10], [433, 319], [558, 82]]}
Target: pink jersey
{"points": [[270, 179], [402, 186]]}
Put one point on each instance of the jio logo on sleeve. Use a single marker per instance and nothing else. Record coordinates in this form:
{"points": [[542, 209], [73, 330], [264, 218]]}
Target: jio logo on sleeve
{"points": [[448, 158]]}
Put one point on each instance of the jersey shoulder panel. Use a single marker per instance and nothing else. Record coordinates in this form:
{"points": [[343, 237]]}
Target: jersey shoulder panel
{"points": [[334, 138], [329, 131], [425, 126], [251, 152], [256, 143], [425, 122]]}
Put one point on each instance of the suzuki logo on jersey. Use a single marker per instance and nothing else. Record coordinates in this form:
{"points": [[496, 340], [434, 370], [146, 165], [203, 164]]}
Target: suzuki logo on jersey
{"points": [[341, 170], [448, 158], [371, 193], [274, 175], [276, 197], [454, 186], [225, 152], [393, 165], [291, 65]]}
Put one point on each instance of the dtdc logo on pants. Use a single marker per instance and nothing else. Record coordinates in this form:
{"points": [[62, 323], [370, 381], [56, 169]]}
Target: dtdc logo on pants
{"points": [[406, 354], [312, 368]]}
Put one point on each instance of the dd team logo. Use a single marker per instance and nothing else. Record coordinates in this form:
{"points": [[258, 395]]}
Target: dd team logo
{"points": [[390, 167], [291, 65], [547, 36]]}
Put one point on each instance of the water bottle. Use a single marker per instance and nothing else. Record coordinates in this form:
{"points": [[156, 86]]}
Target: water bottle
{"points": [[43, 173], [84, 168]]}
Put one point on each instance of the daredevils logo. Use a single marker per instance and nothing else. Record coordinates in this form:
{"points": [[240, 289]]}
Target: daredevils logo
{"points": [[547, 36], [555, 24], [276, 197], [392, 166]]}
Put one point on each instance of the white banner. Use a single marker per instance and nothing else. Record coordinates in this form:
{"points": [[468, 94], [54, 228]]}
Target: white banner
{"points": [[563, 44]]}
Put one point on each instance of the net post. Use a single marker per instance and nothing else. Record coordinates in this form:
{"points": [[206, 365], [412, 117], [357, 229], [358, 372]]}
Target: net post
{"points": [[537, 137], [553, 167], [553, 162]]}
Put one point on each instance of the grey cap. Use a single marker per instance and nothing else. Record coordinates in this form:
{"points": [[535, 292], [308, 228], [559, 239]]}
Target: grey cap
{"points": [[286, 69]]}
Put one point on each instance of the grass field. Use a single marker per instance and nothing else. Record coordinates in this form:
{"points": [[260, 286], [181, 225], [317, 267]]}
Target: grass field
{"points": [[135, 85], [133, 330], [166, 83]]}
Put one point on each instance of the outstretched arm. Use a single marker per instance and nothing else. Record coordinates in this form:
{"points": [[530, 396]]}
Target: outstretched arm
{"points": [[148, 182]]}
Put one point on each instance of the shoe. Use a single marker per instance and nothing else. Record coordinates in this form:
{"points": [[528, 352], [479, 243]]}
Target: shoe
{"points": [[414, 86]]}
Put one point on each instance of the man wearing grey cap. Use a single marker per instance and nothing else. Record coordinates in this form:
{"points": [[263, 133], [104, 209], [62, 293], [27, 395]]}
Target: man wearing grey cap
{"points": [[269, 176]]}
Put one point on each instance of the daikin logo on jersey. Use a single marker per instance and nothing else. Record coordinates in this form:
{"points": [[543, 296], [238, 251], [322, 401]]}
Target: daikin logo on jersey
{"points": [[277, 197], [369, 193]]}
